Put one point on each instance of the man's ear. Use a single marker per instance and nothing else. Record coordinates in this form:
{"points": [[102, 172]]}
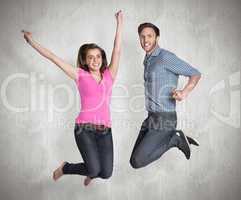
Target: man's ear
{"points": [[157, 38]]}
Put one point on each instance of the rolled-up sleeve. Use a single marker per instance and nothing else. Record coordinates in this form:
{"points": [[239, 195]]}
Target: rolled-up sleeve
{"points": [[178, 66]]}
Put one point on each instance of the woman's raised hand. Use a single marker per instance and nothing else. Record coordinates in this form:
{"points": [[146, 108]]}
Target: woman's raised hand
{"points": [[27, 36], [119, 16]]}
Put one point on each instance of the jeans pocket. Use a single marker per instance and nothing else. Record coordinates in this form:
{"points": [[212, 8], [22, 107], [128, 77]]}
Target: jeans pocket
{"points": [[106, 132], [78, 129]]}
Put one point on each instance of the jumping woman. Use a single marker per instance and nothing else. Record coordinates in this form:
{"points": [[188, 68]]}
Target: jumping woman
{"points": [[94, 79]]}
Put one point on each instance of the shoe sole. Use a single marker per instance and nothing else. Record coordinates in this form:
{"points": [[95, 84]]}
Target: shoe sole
{"points": [[196, 142], [182, 135]]}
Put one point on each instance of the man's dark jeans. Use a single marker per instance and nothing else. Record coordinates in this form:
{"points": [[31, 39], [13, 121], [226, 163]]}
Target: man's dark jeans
{"points": [[157, 135], [96, 148]]}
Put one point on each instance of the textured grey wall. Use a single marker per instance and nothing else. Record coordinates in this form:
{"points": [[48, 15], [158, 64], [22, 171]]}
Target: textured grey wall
{"points": [[39, 103]]}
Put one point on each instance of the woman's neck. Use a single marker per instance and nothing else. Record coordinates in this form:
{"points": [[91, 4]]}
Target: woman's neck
{"points": [[96, 73]]}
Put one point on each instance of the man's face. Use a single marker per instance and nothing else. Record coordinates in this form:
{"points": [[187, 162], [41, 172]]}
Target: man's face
{"points": [[148, 39]]}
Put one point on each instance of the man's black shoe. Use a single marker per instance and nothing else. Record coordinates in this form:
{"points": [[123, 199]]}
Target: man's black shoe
{"points": [[184, 145]]}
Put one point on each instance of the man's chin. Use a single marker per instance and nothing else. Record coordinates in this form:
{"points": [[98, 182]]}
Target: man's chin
{"points": [[146, 49], [150, 50]]}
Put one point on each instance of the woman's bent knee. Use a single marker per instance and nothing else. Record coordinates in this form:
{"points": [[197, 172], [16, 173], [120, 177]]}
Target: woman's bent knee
{"points": [[106, 174], [94, 172]]}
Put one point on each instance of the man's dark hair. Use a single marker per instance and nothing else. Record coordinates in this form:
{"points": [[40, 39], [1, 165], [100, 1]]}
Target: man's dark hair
{"points": [[148, 25]]}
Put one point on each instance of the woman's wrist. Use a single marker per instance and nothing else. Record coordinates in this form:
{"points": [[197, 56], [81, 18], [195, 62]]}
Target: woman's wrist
{"points": [[30, 41]]}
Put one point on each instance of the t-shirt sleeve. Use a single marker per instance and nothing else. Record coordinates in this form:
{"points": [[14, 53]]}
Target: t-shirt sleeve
{"points": [[80, 73], [179, 66], [109, 75]]}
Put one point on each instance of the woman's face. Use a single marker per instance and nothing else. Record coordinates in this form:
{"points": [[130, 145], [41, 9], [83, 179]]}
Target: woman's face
{"points": [[94, 59]]}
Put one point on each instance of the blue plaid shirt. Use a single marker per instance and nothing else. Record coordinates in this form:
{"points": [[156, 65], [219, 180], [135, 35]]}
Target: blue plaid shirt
{"points": [[162, 69]]}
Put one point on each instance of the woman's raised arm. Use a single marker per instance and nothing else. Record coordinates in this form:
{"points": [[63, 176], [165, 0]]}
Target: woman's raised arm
{"points": [[115, 57], [67, 68]]}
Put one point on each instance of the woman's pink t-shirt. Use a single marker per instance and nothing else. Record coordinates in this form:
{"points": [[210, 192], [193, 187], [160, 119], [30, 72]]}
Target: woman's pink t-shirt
{"points": [[95, 98]]}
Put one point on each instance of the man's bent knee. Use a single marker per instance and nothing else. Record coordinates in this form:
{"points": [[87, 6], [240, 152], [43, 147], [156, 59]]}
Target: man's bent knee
{"points": [[136, 162]]}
